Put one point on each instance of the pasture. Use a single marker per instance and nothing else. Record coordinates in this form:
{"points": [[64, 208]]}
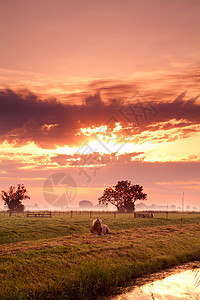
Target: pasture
{"points": [[48, 258]]}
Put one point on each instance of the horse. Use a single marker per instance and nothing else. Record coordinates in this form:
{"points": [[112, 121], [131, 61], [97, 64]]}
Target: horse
{"points": [[99, 228]]}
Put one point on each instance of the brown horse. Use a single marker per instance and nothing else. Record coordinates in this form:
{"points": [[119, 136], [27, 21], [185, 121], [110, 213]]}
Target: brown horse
{"points": [[99, 228]]}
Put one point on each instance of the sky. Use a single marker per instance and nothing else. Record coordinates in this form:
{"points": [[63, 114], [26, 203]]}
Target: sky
{"points": [[93, 92]]}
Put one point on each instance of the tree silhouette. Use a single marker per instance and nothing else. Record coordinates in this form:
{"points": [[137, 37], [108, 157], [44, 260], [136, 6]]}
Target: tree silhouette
{"points": [[85, 204], [123, 195], [13, 198]]}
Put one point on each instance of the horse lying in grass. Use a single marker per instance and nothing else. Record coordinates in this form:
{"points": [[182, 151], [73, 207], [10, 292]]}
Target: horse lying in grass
{"points": [[99, 228]]}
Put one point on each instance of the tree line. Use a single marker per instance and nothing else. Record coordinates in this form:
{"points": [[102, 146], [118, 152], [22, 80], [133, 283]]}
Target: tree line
{"points": [[123, 196]]}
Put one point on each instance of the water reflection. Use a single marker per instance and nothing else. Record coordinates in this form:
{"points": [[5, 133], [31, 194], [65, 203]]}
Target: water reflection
{"points": [[184, 284]]}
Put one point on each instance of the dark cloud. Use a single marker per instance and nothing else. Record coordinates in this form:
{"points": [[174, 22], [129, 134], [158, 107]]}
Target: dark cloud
{"points": [[179, 109], [25, 118]]}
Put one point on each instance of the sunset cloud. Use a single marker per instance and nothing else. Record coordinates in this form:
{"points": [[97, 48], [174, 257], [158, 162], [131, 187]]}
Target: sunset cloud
{"points": [[51, 123], [94, 159]]}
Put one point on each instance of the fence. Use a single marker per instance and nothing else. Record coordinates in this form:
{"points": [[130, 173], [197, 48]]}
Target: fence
{"points": [[92, 213]]}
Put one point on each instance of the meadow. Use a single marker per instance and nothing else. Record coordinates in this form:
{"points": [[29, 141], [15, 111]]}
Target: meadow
{"points": [[58, 257]]}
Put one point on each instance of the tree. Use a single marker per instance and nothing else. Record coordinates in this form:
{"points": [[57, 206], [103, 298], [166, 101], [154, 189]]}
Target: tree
{"points": [[123, 195], [187, 207], [13, 198], [85, 204]]}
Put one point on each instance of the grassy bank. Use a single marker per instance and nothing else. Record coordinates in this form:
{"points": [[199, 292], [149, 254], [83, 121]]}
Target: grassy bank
{"points": [[82, 266]]}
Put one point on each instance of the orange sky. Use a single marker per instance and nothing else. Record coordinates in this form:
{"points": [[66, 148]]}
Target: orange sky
{"points": [[101, 91]]}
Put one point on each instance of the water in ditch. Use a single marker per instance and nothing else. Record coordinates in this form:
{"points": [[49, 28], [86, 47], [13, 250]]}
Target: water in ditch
{"points": [[178, 283]]}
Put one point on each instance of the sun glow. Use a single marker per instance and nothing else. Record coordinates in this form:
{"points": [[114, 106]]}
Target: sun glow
{"points": [[165, 143], [48, 127], [91, 130]]}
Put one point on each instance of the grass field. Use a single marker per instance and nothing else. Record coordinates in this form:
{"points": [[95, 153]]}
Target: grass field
{"points": [[56, 258]]}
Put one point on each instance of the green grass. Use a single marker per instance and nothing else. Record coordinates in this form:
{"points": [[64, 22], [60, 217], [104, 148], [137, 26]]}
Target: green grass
{"points": [[20, 228], [58, 258]]}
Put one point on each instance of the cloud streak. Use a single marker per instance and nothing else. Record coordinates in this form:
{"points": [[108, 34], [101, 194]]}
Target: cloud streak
{"points": [[25, 118]]}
